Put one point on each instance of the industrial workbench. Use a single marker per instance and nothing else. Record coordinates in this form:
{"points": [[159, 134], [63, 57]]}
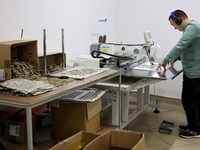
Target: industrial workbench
{"points": [[139, 80], [30, 102]]}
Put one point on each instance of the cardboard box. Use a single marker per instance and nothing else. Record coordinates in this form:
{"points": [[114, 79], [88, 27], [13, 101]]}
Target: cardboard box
{"points": [[21, 49], [52, 59], [75, 142], [2, 75], [118, 140], [70, 118], [16, 129], [43, 119]]}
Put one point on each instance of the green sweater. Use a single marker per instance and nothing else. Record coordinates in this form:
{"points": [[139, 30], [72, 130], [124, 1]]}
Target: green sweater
{"points": [[188, 50]]}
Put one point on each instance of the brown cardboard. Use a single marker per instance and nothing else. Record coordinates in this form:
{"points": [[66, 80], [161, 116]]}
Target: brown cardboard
{"points": [[93, 108], [70, 118], [10, 50], [76, 141], [118, 140], [18, 123], [106, 127], [51, 59]]}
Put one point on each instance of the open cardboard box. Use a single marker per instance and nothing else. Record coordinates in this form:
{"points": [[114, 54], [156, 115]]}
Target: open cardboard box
{"points": [[76, 141], [55, 58], [118, 140], [21, 49]]}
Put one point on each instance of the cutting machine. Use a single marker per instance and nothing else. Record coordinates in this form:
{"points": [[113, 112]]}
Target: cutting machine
{"points": [[125, 55]]}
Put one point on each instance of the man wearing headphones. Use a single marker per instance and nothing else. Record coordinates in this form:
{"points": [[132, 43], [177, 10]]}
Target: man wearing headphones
{"points": [[188, 51]]}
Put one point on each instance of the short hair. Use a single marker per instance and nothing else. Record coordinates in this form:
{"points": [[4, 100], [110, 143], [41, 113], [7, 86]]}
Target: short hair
{"points": [[178, 14]]}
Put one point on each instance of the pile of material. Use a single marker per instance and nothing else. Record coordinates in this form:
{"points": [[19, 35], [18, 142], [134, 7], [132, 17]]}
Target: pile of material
{"points": [[54, 81], [27, 80], [30, 71], [24, 69], [25, 87], [79, 72], [52, 68]]}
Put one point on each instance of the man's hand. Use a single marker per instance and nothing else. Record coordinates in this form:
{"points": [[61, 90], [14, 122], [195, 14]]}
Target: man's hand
{"points": [[172, 62], [160, 65]]}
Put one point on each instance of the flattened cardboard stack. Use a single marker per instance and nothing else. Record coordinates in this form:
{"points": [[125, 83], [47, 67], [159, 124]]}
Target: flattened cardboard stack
{"points": [[70, 118]]}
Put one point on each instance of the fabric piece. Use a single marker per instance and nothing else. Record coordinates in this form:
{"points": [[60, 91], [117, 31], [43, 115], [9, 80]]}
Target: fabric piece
{"points": [[26, 87]]}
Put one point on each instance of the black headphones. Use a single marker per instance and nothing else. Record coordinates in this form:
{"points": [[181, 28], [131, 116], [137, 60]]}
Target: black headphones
{"points": [[178, 21]]}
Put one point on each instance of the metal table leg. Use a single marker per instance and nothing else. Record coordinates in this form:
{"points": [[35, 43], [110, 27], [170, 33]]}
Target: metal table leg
{"points": [[146, 95], [125, 106], [115, 108], [140, 98], [29, 128]]}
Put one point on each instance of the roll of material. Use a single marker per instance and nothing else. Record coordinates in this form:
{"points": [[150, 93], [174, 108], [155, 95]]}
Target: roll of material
{"points": [[2, 75]]}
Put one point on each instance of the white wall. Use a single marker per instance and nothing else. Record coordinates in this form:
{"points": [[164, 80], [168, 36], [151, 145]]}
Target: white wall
{"points": [[127, 19], [136, 16], [79, 18]]}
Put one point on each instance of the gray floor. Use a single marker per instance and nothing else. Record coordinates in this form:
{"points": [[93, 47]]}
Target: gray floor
{"points": [[149, 122]]}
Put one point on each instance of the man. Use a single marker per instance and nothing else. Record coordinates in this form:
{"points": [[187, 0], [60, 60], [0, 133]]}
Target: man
{"points": [[188, 51]]}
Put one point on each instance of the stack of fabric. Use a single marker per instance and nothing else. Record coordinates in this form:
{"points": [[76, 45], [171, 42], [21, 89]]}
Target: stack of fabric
{"points": [[25, 87]]}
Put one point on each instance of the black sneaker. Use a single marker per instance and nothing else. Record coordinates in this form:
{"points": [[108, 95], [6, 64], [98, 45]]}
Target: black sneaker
{"points": [[183, 128], [189, 134]]}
